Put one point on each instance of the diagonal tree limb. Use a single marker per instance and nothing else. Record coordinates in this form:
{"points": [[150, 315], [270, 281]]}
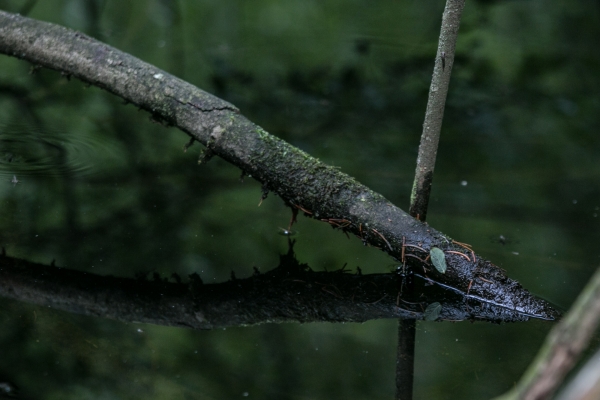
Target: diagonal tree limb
{"points": [[303, 182], [563, 347], [586, 384]]}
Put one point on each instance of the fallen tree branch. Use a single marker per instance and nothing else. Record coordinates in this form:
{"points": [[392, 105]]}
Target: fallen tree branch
{"points": [[586, 384], [303, 182], [289, 293], [563, 347]]}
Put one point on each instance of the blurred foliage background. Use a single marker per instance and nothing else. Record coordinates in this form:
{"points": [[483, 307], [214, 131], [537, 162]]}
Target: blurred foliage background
{"points": [[102, 189]]}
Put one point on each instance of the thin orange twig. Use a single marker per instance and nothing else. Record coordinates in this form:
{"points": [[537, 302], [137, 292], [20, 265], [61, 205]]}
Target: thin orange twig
{"points": [[460, 254]]}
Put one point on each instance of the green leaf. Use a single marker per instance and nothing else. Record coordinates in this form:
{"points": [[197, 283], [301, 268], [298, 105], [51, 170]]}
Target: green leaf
{"points": [[432, 312], [438, 258]]}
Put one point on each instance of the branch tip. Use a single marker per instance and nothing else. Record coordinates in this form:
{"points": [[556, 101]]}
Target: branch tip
{"points": [[188, 144]]}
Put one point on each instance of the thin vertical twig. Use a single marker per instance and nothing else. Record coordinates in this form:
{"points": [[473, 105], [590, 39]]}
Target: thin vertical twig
{"points": [[434, 114], [419, 198]]}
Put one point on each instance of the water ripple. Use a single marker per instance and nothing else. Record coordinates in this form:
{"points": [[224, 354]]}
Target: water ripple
{"points": [[27, 151]]}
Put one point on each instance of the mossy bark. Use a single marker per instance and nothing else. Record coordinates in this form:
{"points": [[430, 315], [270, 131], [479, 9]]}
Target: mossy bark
{"points": [[303, 182]]}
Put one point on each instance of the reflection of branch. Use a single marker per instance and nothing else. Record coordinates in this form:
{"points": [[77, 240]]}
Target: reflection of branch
{"points": [[291, 292], [563, 347], [303, 182]]}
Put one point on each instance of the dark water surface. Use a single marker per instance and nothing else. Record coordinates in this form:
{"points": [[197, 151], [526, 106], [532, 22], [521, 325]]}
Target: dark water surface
{"points": [[102, 189]]}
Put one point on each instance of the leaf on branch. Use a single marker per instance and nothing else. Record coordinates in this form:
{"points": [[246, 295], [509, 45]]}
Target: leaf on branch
{"points": [[432, 312], [438, 258]]}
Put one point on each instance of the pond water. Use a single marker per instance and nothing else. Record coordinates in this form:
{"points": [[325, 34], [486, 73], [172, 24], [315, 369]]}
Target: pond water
{"points": [[96, 186]]}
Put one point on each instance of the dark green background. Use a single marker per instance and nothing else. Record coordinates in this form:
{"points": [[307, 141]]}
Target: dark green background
{"points": [[102, 189]]}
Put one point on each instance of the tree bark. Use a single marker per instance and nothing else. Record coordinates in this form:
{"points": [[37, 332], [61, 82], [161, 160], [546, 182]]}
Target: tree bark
{"points": [[303, 182], [563, 347], [434, 114]]}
